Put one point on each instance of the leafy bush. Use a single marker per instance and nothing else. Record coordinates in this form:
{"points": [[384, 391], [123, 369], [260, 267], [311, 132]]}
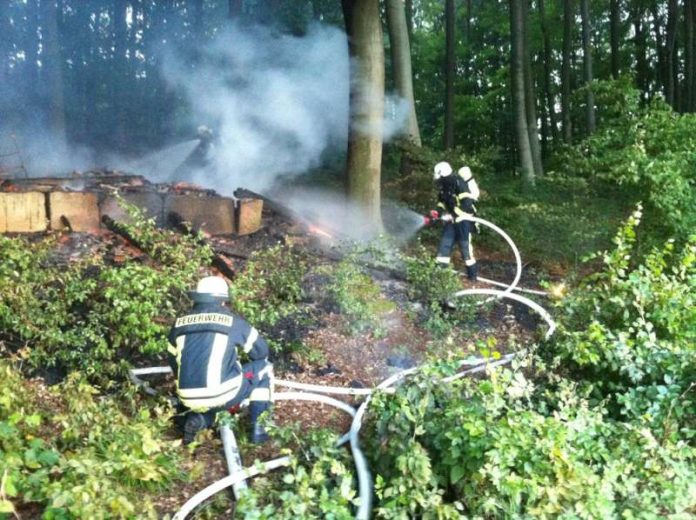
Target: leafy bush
{"points": [[78, 454], [88, 315], [648, 151], [357, 296], [318, 484], [493, 448], [631, 331], [270, 286]]}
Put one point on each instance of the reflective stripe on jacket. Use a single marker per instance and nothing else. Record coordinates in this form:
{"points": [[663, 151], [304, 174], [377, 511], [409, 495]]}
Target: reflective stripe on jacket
{"points": [[203, 349]]}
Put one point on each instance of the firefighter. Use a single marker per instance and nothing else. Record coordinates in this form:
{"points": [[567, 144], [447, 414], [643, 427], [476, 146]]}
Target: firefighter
{"points": [[456, 197], [203, 354]]}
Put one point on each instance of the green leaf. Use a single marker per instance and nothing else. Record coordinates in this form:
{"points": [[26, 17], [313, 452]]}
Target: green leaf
{"points": [[456, 473], [6, 506]]}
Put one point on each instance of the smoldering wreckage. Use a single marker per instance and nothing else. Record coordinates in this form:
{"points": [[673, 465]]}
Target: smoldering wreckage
{"points": [[88, 206]]}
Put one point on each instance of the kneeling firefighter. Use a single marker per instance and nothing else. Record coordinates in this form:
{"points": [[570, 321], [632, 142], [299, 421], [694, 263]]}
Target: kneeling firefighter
{"points": [[203, 355], [456, 197]]}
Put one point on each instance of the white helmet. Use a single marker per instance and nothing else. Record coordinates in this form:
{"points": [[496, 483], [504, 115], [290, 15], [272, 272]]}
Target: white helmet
{"points": [[442, 169], [465, 173], [211, 289]]}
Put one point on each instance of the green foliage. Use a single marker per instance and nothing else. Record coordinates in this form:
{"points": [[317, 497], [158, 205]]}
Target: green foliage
{"points": [[430, 282], [78, 454], [631, 330], [270, 287], [357, 296], [648, 151], [500, 452], [87, 315], [318, 483]]}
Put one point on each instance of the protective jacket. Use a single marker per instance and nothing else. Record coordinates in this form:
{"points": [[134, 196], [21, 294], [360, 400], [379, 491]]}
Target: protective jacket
{"points": [[457, 196], [203, 354]]}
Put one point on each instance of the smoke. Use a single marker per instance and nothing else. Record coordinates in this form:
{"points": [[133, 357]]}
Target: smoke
{"points": [[275, 103], [278, 104], [31, 147]]}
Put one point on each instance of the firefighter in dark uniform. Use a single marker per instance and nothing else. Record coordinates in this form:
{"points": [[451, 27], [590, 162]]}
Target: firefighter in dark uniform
{"points": [[456, 197], [203, 354]]}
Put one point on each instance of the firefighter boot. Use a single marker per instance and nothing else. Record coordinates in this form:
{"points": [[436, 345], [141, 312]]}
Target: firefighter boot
{"points": [[195, 422], [258, 432], [472, 272]]}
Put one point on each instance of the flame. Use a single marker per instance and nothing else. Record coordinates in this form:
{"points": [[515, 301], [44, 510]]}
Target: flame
{"points": [[318, 231]]}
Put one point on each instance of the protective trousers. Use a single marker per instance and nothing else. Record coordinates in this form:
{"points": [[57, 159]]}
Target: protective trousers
{"points": [[459, 232]]}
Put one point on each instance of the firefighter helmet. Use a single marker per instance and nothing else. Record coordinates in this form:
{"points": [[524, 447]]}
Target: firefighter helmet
{"points": [[442, 169], [211, 289]]}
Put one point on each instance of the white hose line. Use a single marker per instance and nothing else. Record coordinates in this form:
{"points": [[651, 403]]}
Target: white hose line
{"points": [[364, 477], [133, 374], [518, 289], [240, 476], [503, 294], [228, 481], [321, 388], [518, 259], [485, 366]]}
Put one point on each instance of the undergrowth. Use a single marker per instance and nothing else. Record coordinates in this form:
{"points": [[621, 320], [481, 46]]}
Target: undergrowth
{"points": [[88, 315], [77, 454]]}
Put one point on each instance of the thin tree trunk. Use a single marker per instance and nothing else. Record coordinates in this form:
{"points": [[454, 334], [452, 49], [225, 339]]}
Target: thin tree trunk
{"points": [[53, 66], [530, 98], [119, 80], [198, 29], [661, 76], [364, 28], [5, 43], [409, 19], [518, 91], [401, 63], [548, 67], [614, 28], [587, 65], [234, 9], [568, 20], [670, 53], [450, 71], [642, 70], [689, 80]]}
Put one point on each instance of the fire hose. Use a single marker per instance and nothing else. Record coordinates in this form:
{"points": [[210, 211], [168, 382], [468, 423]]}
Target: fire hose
{"points": [[363, 473]]}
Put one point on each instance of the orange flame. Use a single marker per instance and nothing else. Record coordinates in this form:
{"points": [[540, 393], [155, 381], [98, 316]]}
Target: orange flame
{"points": [[318, 231]]}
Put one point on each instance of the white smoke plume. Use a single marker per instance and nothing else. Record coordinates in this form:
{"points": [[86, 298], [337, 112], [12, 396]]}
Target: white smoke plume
{"points": [[275, 102]]}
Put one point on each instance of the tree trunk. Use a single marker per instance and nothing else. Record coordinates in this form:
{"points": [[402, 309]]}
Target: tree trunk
{"points": [[234, 9], [198, 29], [530, 98], [401, 64], [5, 43], [670, 78], [568, 20], [642, 70], [119, 80], [518, 91], [587, 65], [364, 28], [614, 28], [548, 68], [53, 67], [409, 19], [450, 71], [661, 75], [689, 80]]}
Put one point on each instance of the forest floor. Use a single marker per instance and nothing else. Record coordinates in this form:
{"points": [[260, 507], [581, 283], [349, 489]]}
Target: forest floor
{"points": [[335, 355]]}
